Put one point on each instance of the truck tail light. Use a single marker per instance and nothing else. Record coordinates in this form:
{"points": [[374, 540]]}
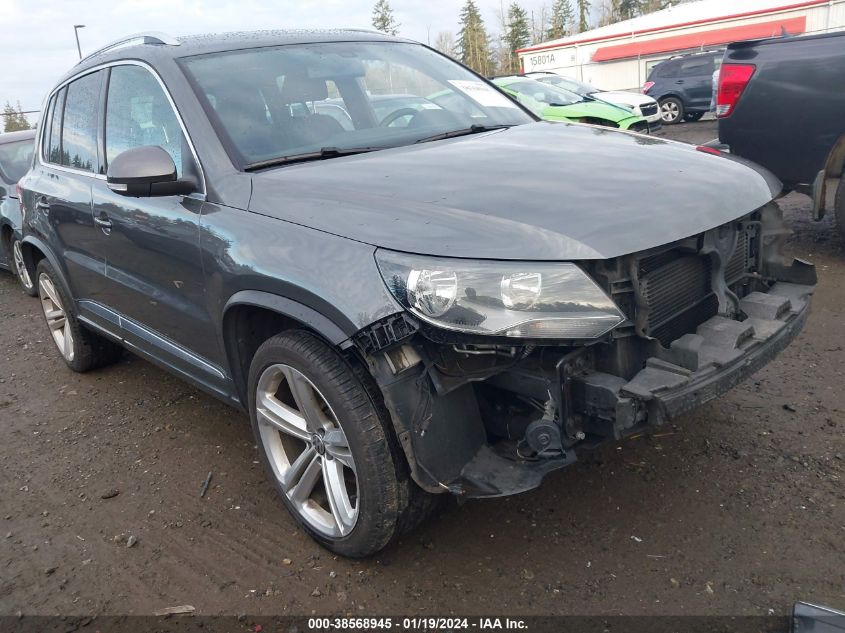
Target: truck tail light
{"points": [[733, 78], [647, 86]]}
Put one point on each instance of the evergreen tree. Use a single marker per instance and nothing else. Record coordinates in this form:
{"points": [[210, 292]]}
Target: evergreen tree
{"points": [[473, 42], [563, 19], [627, 9], [517, 35], [14, 120], [583, 15], [383, 19], [650, 6]]}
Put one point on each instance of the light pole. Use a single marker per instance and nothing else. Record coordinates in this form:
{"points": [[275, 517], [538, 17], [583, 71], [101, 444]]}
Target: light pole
{"points": [[76, 28]]}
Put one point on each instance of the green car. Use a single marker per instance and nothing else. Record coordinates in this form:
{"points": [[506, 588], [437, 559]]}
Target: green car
{"points": [[554, 103]]}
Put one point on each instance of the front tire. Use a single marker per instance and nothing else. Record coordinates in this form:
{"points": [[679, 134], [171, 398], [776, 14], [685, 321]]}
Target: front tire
{"points": [[19, 267], [326, 445], [671, 110], [80, 348]]}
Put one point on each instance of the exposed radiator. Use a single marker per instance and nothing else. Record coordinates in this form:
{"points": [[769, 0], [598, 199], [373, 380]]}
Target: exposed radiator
{"points": [[738, 263], [677, 295], [676, 290]]}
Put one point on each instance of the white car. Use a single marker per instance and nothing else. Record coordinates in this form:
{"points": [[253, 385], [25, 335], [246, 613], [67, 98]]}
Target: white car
{"points": [[641, 105]]}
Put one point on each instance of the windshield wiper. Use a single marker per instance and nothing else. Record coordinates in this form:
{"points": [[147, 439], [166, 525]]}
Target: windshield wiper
{"points": [[472, 129], [321, 154]]}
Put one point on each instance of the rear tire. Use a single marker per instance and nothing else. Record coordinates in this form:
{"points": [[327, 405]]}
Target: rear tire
{"points": [[80, 348], [671, 110], [18, 267], [839, 207], [312, 412]]}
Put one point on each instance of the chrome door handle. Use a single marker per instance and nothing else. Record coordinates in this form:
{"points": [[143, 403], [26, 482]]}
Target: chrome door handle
{"points": [[103, 222]]}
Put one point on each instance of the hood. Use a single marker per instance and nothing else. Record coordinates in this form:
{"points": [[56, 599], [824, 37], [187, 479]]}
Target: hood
{"points": [[541, 191], [596, 108], [625, 98]]}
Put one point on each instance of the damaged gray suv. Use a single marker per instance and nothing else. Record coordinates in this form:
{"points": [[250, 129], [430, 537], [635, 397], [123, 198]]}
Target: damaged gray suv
{"points": [[444, 298]]}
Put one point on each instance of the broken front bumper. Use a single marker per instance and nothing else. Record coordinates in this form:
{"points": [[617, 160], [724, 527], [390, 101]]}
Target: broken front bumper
{"points": [[695, 369], [721, 354], [444, 424]]}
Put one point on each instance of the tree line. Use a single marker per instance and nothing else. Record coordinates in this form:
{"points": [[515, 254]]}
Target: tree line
{"points": [[14, 119], [494, 52]]}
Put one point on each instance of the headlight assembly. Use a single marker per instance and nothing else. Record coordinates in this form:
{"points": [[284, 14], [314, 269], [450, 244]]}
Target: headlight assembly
{"points": [[497, 298]]}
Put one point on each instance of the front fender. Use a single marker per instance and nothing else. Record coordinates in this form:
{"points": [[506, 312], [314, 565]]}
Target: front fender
{"points": [[335, 333]]}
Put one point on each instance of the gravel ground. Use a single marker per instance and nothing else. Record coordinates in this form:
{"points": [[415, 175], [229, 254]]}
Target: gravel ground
{"points": [[738, 509]]}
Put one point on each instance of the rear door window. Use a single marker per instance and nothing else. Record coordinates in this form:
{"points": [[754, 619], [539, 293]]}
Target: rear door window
{"points": [[666, 69], [697, 67], [54, 133], [79, 126]]}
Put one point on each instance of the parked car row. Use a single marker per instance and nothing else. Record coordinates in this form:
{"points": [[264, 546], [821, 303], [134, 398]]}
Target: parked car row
{"points": [[640, 105], [15, 159], [411, 282], [554, 103]]}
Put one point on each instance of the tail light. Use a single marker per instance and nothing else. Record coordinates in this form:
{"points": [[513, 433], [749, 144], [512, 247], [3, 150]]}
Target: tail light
{"points": [[709, 150], [647, 86], [733, 78]]}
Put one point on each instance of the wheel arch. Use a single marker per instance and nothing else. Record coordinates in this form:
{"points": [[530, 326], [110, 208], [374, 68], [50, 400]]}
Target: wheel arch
{"points": [[835, 163], [829, 176], [6, 233], [250, 317], [669, 95], [34, 250]]}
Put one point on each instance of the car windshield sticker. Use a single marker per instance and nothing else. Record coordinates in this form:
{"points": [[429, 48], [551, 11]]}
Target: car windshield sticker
{"points": [[482, 94]]}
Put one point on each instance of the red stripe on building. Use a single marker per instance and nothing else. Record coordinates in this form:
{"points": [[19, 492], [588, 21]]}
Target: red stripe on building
{"points": [[793, 26], [669, 27]]}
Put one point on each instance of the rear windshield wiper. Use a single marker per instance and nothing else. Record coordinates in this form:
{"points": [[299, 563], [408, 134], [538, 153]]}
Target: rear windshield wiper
{"points": [[321, 154], [472, 129]]}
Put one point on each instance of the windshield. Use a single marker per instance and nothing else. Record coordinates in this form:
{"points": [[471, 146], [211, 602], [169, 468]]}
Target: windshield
{"points": [[299, 100], [15, 159], [572, 85]]}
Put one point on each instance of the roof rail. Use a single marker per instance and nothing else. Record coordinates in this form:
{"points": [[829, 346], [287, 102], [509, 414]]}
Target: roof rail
{"points": [[364, 30], [151, 37]]}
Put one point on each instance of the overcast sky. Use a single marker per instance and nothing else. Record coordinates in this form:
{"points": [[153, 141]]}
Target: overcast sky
{"points": [[37, 44]]}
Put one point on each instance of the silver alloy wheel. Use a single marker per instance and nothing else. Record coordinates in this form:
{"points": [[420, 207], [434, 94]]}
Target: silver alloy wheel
{"points": [[308, 450], [669, 111], [20, 266], [56, 317]]}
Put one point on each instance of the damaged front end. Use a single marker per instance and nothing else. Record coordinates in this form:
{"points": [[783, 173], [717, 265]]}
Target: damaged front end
{"points": [[485, 414]]}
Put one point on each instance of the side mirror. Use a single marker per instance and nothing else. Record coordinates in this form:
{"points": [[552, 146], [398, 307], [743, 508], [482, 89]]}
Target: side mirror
{"points": [[146, 171]]}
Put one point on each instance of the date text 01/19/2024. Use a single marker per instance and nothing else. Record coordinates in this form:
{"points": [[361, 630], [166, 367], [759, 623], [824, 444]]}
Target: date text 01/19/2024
{"points": [[416, 624]]}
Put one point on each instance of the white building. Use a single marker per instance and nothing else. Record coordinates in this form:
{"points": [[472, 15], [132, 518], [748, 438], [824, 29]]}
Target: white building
{"points": [[620, 56]]}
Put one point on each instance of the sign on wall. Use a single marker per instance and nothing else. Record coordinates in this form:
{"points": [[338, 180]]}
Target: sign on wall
{"points": [[547, 60]]}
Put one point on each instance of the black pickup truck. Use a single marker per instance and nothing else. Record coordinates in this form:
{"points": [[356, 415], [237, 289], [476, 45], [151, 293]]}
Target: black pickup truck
{"points": [[781, 104]]}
